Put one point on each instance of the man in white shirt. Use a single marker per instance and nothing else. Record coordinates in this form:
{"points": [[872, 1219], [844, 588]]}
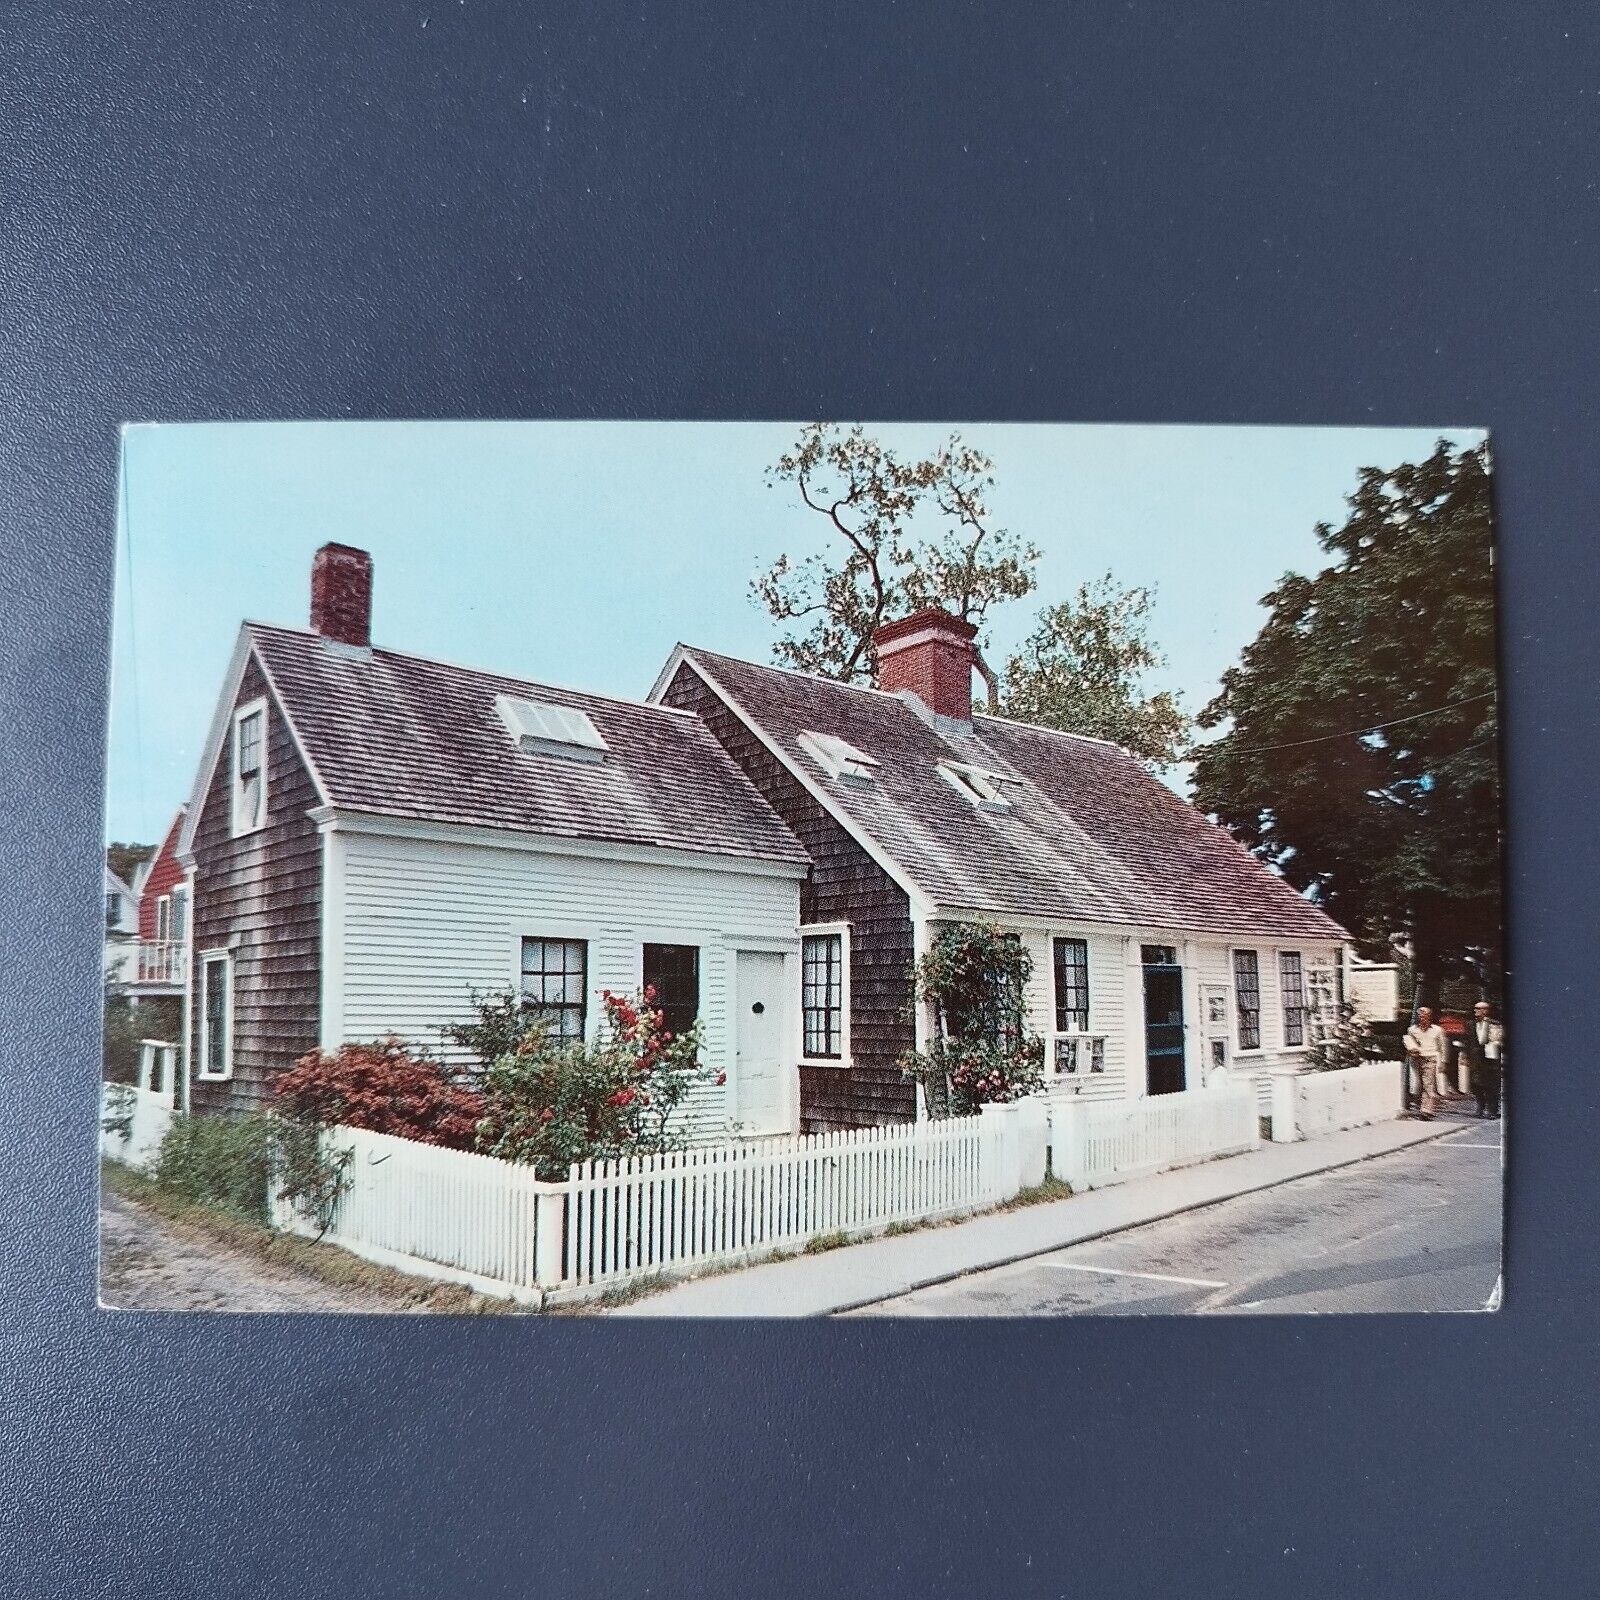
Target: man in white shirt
{"points": [[1426, 1051], [1484, 1048]]}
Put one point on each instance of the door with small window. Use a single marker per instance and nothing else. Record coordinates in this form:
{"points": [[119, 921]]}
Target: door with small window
{"points": [[1163, 1020]]}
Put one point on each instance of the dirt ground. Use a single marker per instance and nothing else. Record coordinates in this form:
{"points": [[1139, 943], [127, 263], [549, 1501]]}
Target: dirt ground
{"points": [[148, 1263]]}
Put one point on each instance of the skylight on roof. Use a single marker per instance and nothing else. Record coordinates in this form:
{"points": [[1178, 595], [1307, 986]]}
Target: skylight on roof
{"points": [[551, 730], [838, 757], [974, 784]]}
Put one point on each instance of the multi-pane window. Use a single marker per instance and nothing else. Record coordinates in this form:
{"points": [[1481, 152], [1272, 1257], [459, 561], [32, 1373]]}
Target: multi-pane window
{"points": [[673, 971], [1291, 977], [555, 984], [822, 995], [1247, 998], [1072, 986], [113, 910], [216, 1017], [249, 769], [163, 919]]}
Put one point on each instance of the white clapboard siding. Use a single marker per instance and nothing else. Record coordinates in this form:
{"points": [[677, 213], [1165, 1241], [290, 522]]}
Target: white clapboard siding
{"points": [[1107, 989], [693, 1207], [421, 923], [1092, 1145]]}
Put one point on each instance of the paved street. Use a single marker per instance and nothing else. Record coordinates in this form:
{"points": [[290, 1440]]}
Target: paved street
{"points": [[1415, 1230]]}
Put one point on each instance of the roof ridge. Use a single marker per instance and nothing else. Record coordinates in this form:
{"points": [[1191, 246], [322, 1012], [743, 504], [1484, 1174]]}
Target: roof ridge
{"points": [[788, 672], [486, 672]]}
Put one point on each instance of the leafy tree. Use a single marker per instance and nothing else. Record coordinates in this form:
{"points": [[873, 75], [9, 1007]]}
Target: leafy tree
{"points": [[125, 859], [1082, 670], [893, 564], [1392, 827]]}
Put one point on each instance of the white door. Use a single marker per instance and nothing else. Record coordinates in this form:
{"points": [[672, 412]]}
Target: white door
{"points": [[760, 1089]]}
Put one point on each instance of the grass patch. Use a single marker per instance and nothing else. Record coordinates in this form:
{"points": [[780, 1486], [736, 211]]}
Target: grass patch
{"points": [[1053, 1188], [326, 1262], [624, 1294], [825, 1242]]}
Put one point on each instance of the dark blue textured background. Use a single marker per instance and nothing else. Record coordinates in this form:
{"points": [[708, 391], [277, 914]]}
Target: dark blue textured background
{"points": [[1214, 212]]}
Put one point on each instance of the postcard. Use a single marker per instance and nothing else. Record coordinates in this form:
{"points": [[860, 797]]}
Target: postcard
{"points": [[803, 869]]}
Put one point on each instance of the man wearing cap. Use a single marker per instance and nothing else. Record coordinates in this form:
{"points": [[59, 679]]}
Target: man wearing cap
{"points": [[1484, 1047]]}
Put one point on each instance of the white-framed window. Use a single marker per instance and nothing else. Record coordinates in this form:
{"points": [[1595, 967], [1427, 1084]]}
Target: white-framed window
{"points": [[555, 984], [974, 784], [250, 767], [1072, 985], [163, 919], [1247, 997], [838, 757], [216, 1015], [1292, 987], [825, 993]]}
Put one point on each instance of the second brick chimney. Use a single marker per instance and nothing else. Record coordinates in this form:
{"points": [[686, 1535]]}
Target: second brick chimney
{"points": [[930, 655], [341, 594]]}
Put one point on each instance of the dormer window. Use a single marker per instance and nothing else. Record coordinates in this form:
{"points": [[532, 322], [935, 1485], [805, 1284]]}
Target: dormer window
{"points": [[250, 768], [837, 757], [543, 729], [974, 784]]}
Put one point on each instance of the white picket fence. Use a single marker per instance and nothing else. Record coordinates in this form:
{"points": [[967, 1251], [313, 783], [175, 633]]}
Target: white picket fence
{"points": [[1093, 1144], [420, 1207], [492, 1224], [689, 1207], [1307, 1105]]}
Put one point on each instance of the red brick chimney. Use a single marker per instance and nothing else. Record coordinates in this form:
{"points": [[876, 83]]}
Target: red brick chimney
{"points": [[341, 594], [928, 654]]}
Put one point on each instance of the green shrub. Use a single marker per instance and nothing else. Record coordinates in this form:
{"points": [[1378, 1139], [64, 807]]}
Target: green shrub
{"points": [[225, 1162], [235, 1164], [120, 1039]]}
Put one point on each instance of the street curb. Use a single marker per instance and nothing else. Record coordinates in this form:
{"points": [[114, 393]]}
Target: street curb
{"points": [[928, 1281]]}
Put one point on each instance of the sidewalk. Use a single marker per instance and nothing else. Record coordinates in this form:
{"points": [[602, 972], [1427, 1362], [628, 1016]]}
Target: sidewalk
{"points": [[858, 1275]]}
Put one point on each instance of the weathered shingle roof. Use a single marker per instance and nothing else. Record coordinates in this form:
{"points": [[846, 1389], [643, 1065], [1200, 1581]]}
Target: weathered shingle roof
{"points": [[403, 736], [1089, 836]]}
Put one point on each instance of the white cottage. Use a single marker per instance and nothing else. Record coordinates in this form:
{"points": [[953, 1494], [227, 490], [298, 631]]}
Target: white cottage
{"points": [[373, 835]]}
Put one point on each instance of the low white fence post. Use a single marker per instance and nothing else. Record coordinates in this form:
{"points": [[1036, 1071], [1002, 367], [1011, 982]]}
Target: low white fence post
{"points": [[1004, 1147], [1033, 1130], [1284, 1096], [1069, 1128], [550, 1232]]}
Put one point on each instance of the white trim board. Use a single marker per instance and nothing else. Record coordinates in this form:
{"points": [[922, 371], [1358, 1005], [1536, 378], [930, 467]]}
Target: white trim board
{"points": [[339, 819]]}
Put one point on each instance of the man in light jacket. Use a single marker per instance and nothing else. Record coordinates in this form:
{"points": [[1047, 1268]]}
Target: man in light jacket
{"points": [[1426, 1050], [1484, 1047]]}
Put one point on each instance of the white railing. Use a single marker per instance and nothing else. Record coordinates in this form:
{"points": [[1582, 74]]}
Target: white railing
{"points": [[133, 1122], [160, 961], [1094, 1143], [691, 1207], [1306, 1105]]}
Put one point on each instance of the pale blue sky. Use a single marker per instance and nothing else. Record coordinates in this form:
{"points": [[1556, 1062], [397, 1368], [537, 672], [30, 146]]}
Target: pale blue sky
{"points": [[579, 553]]}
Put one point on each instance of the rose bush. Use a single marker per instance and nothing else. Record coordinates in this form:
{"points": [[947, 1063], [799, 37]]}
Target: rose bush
{"points": [[975, 977], [384, 1088], [548, 1103]]}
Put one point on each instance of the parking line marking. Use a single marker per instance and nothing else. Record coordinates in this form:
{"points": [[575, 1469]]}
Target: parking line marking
{"points": [[1123, 1272]]}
